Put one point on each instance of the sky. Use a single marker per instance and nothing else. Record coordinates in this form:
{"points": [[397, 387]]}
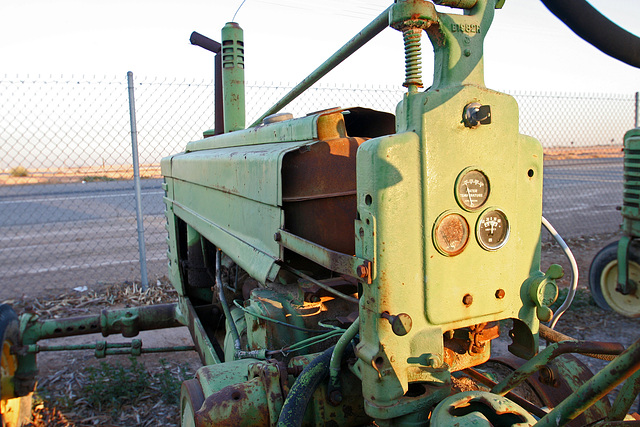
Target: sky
{"points": [[526, 48]]}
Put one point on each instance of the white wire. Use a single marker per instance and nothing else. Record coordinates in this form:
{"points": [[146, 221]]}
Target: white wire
{"points": [[574, 273]]}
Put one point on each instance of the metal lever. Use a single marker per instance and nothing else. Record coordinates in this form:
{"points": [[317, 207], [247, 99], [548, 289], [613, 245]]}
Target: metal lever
{"points": [[476, 114]]}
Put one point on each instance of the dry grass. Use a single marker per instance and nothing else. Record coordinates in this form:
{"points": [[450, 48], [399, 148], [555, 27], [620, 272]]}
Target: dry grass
{"points": [[74, 175], [79, 303]]}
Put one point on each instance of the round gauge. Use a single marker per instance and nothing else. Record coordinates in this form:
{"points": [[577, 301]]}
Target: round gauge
{"points": [[451, 233], [493, 229], [472, 189]]}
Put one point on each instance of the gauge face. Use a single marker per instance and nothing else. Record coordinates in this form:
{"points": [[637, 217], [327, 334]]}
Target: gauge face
{"points": [[451, 234], [493, 229], [472, 189]]}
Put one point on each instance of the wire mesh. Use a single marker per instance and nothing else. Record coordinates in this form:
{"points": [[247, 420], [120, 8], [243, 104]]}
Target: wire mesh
{"points": [[67, 210]]}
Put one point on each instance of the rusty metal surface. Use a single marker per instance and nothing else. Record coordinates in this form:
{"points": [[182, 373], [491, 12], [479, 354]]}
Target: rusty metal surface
{"points": [[319, 192], [550, 353], [127, 321], [554, 336], [338, 262], [625, 398], [243, 404], [475, 408], [191, 394], [559, 379], [468, 347], [621, 368], [486, 381]]}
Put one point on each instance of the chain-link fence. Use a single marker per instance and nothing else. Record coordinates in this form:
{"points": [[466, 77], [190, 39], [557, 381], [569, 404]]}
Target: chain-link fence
{"points": [[67, 209]]}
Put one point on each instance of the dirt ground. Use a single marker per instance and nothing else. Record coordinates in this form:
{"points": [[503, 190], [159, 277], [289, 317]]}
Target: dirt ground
{"points": [[584, 321]]}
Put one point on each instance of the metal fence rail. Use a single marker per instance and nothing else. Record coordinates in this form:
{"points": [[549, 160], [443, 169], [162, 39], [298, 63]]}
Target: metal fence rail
{"points": [[67, 208]]}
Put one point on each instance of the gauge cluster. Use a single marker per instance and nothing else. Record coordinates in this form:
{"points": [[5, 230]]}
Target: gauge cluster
{"points": [[451, 231]]}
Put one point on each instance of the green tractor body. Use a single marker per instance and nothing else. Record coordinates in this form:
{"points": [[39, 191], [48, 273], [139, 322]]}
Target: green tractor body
{"points": [[354, 266]]}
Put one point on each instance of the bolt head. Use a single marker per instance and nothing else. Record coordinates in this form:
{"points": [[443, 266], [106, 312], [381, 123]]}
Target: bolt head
{"points": [[335, 396], [362, 271]]}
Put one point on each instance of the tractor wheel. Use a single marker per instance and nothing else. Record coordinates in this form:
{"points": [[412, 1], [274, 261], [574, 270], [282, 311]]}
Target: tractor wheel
{"points": [[14, 411], [603, 280]]}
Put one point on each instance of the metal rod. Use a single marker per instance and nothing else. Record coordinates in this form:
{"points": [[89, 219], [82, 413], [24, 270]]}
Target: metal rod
{"points": [[551, 335], [625, 398], [321, 285], [218, 101], [206, 43], [144, 280], [116, 347], [545, 356], [223, 301], [126, 321], [596, 388], [370, 31]]}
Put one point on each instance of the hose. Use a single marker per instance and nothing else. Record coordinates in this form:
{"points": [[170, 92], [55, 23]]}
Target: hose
{"points": [[574, 272], [300, 394], [593, 27], [335, 392]]}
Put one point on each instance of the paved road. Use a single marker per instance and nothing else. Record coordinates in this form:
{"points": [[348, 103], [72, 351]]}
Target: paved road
{"points": [[62, 236], [65, 235], [581, 196]]}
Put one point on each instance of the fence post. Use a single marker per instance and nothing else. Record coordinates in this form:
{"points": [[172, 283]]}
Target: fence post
{"points": [[638, 109], [144, 280]]}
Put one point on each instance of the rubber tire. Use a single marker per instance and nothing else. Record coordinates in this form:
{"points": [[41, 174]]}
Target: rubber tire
{"points": [[603, 257], [20, 414], [601, 265]]}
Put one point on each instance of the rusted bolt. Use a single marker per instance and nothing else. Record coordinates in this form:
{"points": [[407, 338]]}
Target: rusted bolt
{"points": [[467, 300], [500, 293], [277, 237], [294, 370], [547, 377], [362, 271]]}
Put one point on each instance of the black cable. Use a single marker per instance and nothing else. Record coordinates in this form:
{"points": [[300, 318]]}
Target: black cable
{"points": [[596, 29], [302, 390]]}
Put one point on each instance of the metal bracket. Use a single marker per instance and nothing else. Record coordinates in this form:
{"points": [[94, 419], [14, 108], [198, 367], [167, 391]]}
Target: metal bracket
{"points": [[335, 261]]}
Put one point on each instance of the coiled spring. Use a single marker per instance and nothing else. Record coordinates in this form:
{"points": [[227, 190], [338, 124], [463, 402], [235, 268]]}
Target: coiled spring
{"points": [[412, 57]]}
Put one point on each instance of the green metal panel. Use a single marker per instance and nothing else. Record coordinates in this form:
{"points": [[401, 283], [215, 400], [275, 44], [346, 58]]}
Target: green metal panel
{"points": [[301, 129], [251, 172], [449, 148], [219, 187], [405, 183], [228, 222], [631, 194]]}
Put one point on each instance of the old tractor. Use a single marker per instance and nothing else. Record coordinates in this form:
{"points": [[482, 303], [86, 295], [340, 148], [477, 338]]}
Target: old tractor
{"points": [[354, 267], [614, 275]]}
